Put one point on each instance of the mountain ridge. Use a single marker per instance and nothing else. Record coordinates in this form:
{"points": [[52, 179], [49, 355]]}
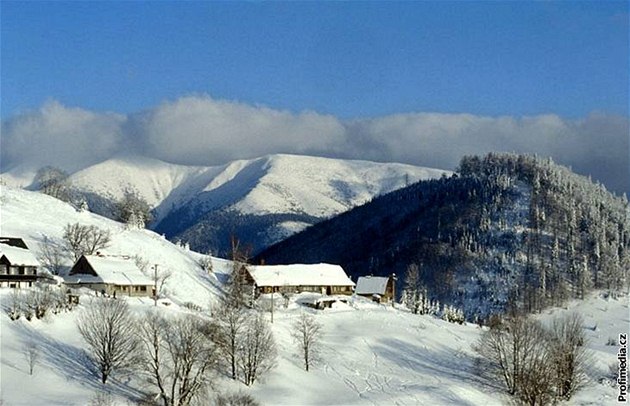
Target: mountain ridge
{"points": [[279, 194]]}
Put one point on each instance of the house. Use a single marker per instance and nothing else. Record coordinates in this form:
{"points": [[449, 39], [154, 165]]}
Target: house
{"points": [[18, 265], [326, 279], [379, 288], [111, 275]]}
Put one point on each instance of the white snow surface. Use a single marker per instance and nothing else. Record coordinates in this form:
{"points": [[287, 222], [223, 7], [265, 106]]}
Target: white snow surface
{"points": [[370, 354], [300, 275]]}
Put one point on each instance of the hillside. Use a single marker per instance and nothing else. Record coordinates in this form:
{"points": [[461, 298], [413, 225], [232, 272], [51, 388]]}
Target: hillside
{"points": [[370, 353], [261, 201], [507, 229], [35, 216]]}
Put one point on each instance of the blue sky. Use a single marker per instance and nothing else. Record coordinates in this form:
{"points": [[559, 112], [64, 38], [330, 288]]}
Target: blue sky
{"points": [[423, 83], [347, 59]]}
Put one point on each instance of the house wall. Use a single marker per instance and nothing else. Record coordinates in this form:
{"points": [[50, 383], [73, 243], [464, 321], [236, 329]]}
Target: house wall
{"points": [[16, 284], [119, 290], [333, 290]]}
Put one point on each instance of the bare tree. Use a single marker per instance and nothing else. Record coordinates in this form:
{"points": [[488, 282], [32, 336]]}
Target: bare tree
{"points": [[179, 356], [85, 240], [52, 255], [108, 327], [133, 209], [53, 182], [257, 353], [230, 322], [516, 353], [306, 334], [159, 278], [569, 354], [31, 354]]}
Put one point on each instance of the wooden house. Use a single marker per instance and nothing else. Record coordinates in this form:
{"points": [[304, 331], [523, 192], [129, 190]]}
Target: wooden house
{"points": [[18, 265], [110, 275], [378, 288], [325, 279]]}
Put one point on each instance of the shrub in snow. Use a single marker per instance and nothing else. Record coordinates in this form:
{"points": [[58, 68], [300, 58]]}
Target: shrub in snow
{"points": [[235, 399], [536, 365], [14, 310]]}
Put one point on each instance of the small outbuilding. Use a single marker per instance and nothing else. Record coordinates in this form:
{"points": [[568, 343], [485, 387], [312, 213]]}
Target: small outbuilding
{"points": [[110, 275], [18, 265], [326, 279], [379, 288]]}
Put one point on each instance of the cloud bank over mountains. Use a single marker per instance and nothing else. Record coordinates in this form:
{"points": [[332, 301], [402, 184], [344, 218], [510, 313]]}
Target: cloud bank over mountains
{"points": [[200, 130]]}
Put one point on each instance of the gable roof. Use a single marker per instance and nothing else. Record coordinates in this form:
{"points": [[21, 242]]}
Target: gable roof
{"points": [[18, 256], [370, 285], [111, 271], [299, 275]]}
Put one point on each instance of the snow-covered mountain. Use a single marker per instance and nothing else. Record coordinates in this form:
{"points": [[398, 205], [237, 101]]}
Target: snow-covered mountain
{"points": [[260, 200]]}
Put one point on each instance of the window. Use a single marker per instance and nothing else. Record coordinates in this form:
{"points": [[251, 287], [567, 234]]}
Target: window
{"points": [[3, 269], [143, 288]]}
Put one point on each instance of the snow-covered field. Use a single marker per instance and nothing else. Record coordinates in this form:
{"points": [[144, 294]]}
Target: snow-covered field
{"points": [[370, 354]]}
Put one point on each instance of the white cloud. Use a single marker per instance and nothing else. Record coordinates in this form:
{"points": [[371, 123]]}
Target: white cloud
{"points": [[71, 138], [203, 131]]}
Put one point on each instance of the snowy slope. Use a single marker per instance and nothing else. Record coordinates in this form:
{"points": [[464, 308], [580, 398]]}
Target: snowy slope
{"points": [[33, 216], [370, 355]]}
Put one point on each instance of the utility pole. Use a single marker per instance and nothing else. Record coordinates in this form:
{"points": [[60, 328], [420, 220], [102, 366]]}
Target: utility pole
{"points": [[394, 279], [272, 289], [155, 283]]}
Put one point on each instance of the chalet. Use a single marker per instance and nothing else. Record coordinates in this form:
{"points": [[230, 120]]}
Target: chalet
{"points": [[326, 279], [18, 265], [109, 275], [379, 288]]}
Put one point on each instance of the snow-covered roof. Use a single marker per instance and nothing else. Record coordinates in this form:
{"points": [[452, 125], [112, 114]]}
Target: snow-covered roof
{"points": [[300, 275], [369, 285], [111, 271], [18, 256]]}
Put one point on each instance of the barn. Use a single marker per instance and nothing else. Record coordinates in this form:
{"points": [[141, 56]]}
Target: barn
{"points": [[110, 275], [379, 288]]}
